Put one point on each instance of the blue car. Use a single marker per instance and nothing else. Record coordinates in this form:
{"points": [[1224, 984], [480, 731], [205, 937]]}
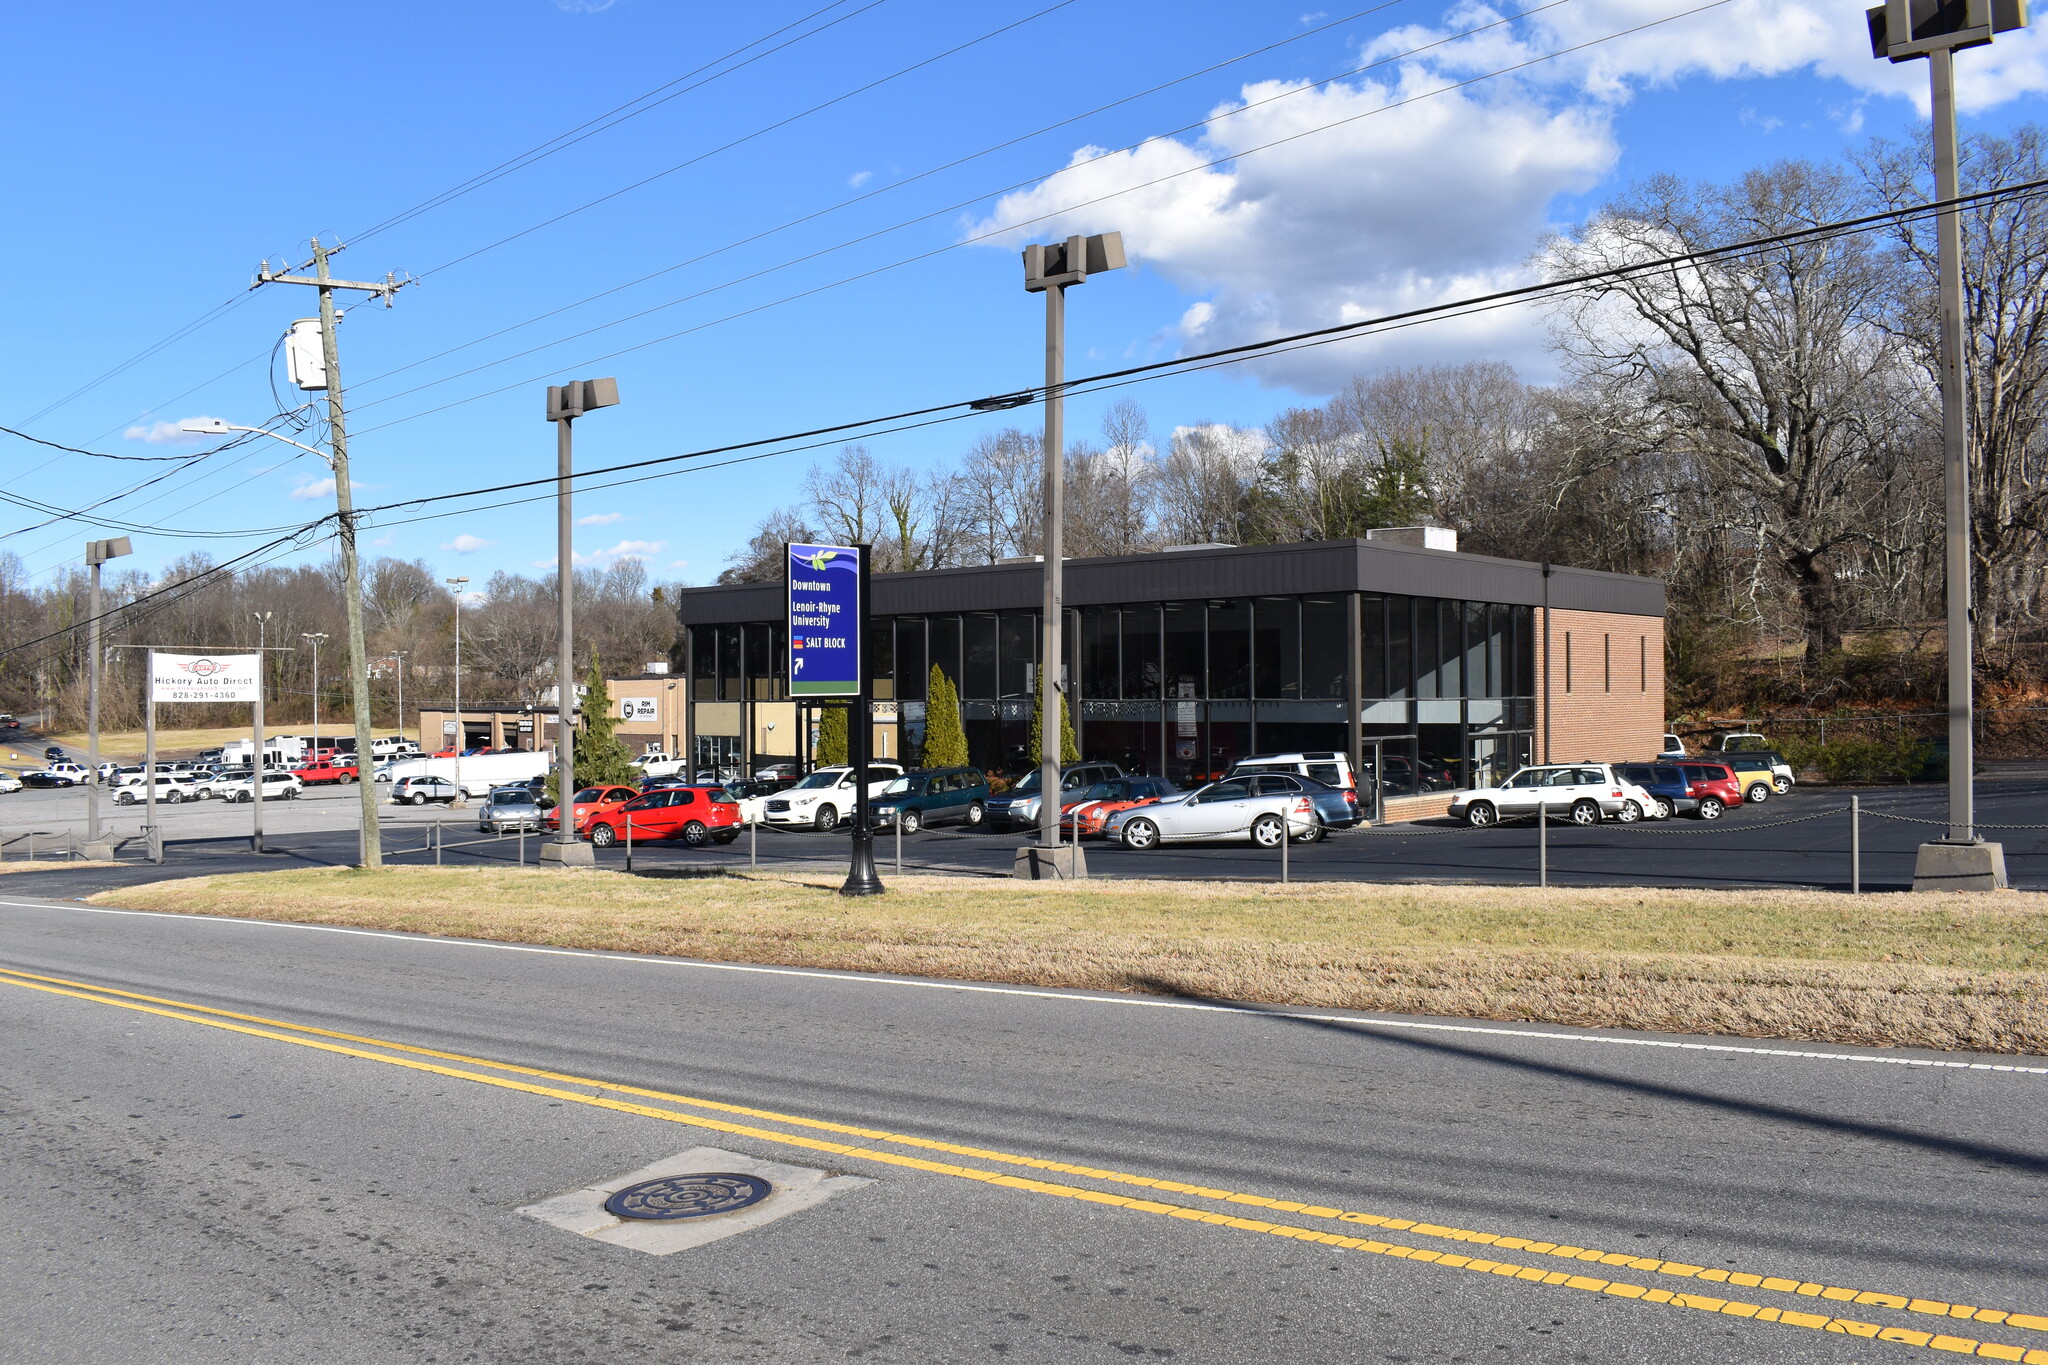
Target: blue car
{"points": [[1336, 807], [1666, 784]]}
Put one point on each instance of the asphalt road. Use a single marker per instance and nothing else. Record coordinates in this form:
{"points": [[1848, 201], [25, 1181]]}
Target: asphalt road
{"points": [[1801, 839], [179, 1187]]}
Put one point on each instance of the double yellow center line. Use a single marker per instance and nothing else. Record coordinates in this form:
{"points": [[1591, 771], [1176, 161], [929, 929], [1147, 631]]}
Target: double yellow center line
{"points": [[528, 1080]]}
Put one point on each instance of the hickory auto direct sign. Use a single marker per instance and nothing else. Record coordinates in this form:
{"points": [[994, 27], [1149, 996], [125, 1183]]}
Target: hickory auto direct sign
{"points": [[203, 677]]}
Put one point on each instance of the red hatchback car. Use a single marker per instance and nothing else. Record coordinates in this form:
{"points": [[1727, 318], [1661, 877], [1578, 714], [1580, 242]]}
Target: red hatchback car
{"points": [[1714, 786], [695, 815], [592, 801]]}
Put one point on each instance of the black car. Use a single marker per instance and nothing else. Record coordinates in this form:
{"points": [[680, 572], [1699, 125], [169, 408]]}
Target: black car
{"points": [[53, 754]]}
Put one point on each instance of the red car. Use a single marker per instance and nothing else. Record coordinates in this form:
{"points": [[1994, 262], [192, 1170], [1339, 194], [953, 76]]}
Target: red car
{"points": [[592, 801], [1088, 811], [1714, 786], [695, 815], [327, 770]]}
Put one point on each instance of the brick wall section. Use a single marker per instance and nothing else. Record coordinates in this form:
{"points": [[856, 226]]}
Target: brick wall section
{"points": [[1611, 709]]}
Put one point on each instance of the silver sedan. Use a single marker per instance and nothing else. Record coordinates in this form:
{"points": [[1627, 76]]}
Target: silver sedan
{"points": [[1229, 810]]}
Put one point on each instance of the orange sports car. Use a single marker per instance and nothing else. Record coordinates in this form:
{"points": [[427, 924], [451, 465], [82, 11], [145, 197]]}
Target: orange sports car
{"points": [[1085, 812]]}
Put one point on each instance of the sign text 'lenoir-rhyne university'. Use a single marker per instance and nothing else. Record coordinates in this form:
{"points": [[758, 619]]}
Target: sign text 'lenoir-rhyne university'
{"points": [[203, 677], [825, 646]]}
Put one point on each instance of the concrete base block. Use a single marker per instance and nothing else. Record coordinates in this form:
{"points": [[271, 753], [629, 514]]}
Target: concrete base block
{"points": [[1037, 863], [578, 854], [1944, 866], [101, 852]]}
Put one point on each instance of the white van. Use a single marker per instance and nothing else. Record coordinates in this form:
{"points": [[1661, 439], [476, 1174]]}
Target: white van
{"points": [[1330, 769]]}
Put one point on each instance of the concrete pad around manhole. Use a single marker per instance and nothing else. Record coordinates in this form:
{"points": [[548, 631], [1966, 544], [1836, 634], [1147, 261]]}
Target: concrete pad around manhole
{"points": [[796, 1188]]}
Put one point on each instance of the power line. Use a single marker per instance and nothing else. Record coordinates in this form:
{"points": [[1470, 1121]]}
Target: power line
{"points": [[904, 181], [748, 137], [96, 454], [1003, 231], [615, 116], [520, 162], [1291, 341]]}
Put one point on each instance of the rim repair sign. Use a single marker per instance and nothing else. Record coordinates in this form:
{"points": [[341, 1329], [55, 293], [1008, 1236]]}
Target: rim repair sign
{"points": [[826, 617], [203, 677]]}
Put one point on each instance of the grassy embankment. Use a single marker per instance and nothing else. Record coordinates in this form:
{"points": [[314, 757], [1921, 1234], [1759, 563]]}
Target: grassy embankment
{"points": [[1938, 971]]}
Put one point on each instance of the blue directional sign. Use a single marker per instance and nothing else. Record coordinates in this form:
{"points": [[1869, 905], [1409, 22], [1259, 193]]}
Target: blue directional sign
{"points": [[826, 617]]}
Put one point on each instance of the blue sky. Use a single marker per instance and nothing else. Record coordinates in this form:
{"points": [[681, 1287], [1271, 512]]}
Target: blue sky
{"points": [[159, 152]]}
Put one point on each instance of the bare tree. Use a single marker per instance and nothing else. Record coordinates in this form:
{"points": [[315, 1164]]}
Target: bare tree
{"points": [[2005, 331], [1772, 375], [1205, 483]]}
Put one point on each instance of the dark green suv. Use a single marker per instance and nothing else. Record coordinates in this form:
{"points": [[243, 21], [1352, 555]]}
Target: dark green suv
{"points": [[933, 796]]}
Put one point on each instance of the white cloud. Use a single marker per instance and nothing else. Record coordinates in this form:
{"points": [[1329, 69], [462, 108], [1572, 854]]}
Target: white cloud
{"points": [[859, 178], [466, 544], [601, 519], [168, 433], [625, 549], [313, 488], [1395, 191], [584, 6]]}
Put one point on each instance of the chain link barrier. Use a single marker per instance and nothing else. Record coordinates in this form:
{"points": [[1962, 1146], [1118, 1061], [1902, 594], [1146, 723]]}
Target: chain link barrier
{"points": [[1939, 824]]}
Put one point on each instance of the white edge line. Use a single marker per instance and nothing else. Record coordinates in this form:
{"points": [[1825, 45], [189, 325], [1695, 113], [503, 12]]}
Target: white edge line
{"points": [[871, 979]]}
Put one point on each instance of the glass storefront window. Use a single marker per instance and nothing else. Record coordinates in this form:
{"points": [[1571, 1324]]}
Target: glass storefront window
{"points": [[1325, 655], [1230, 648], [1101, 662], [1476, 649], [1276, 647], [1525, 652], [1140, 641], [1428, 652], [756, 657], [704, 663], [978, 655], [882, 659], [1450, 672], [1372, 625], [1186, 663], [729, 663], [943, 638], [1019, 652], [913, 673], [1400, 648]]}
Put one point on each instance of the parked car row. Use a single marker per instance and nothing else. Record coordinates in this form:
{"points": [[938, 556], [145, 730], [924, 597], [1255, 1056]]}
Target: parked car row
{"points": [[1587, 793]]}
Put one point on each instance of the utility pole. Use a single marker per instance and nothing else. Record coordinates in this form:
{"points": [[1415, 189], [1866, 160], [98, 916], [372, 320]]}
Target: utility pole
{"points": [[1049, 270], [316, 637], [1904, 31], [567, 402], [455, 586], [344, 500], [97, 552], [399, 660]]}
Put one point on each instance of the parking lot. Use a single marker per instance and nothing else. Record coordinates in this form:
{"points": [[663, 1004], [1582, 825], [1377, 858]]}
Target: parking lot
{"points": [[1802, 839]]}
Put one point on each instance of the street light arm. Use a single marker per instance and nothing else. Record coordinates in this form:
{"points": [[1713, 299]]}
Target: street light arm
{"points": [[223, 428]]}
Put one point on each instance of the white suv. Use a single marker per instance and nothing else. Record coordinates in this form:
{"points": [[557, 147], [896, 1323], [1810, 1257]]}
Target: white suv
{"points": [[172, 787], [825, 798], [277, 786], [1584, 793]]}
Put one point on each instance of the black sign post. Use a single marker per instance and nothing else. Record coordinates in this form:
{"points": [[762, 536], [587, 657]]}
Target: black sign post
{"points": [[861, 877], [828, 632]]}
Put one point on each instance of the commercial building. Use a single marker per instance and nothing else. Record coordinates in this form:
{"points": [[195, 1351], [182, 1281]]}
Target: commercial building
{"points": [[1457, 666], [649, 706]]}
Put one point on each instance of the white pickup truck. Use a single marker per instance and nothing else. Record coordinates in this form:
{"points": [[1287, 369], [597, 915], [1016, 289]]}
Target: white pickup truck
{"points": [[657, 763]]}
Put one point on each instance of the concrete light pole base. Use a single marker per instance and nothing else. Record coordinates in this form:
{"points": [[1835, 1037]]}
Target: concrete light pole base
{"points": [[578, 854], [1944, 866], [101, 852], [1037, 863]]}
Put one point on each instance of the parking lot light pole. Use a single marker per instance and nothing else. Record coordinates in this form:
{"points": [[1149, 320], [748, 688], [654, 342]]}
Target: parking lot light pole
{"points": [[567, 402], [256, 763], [455, 586], [97, 552], [1050, 270], [316, 637], [1904, 31]]}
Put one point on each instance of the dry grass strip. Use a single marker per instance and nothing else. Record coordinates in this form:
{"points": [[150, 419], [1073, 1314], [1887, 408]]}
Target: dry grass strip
{"points": [[1953, 972]]}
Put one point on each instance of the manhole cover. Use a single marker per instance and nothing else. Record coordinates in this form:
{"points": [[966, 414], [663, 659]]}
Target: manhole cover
{"points": [[688, 1196]]}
